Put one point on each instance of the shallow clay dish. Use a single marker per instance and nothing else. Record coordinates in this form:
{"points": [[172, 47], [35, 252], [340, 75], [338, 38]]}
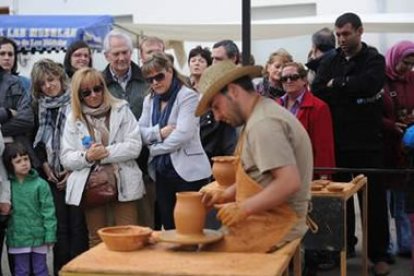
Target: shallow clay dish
{"points": [[317, 187], [322, 182], [125, 238], [172, 236], [335, 187]]}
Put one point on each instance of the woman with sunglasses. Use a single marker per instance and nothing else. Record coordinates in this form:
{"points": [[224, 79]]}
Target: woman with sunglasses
{"points": [[399, 115], [313, 113], [51, 104], [171, 130], [101, 130]]}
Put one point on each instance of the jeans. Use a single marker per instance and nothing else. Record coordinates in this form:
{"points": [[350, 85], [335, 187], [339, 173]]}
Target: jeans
{"points": [[30, 264], [411, 217], [402, 222]]}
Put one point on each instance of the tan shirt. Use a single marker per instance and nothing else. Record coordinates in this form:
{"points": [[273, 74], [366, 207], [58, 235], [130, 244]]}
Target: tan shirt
{"points": [[275, 138]]}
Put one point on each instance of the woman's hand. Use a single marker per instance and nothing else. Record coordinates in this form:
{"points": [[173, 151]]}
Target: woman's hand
{"points": [[5, 208], [96, 152], [166, 131], [63, 177], [51, 177]]}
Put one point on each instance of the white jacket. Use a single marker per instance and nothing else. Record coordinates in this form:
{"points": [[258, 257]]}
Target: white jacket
{"points": [[183, 144], [124, 147]]}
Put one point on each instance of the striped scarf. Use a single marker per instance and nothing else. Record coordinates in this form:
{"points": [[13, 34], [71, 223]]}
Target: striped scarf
{"points": [[51, 129]]}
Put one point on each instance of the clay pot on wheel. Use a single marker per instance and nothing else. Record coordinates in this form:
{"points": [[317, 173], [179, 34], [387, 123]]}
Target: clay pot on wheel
{"points": [[224, 169], [189, 213]]}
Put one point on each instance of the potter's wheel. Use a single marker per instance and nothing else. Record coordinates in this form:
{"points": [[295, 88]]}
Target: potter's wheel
{"points": [[174, 237]]}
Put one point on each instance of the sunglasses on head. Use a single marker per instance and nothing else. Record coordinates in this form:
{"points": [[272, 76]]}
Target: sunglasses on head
{"points": [[294, 77], [158, 77], [87, 92]]}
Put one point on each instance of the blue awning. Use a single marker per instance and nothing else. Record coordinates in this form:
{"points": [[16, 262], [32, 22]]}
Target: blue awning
{"points": [[54, 32]]}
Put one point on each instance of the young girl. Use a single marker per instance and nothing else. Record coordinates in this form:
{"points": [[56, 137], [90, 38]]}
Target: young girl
{"points": [[32, 225]]}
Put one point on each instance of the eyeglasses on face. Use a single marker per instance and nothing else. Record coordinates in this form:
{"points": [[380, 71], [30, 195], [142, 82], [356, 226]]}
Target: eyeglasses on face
{"points": [[158, 77], [4, 53], [293, 77], [97, 89]]}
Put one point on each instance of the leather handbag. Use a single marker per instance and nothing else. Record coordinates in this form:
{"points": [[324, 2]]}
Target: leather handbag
{"points": [[101, 186]]}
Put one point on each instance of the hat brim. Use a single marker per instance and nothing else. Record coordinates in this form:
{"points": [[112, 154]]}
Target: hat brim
{"points": [[220, 83]]}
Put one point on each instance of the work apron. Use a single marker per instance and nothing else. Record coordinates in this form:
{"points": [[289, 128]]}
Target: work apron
{"points": [[262, 232]]}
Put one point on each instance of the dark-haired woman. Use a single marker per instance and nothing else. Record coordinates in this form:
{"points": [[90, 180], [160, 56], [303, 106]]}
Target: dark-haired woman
{"points": [[78, 55], [171, 130]]}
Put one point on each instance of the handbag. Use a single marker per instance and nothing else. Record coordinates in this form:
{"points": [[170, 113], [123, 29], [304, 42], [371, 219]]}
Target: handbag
{"points": [[101, 186]]}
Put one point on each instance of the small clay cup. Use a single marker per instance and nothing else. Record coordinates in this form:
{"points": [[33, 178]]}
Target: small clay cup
{"points": [[224, 170], [316, 187]]}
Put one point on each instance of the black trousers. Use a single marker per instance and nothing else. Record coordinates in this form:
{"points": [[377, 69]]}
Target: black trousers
{"points": [[72, 233], [165, 193], [378, 225]]}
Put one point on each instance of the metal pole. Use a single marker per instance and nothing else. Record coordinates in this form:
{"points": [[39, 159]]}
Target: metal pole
{"points": [[246, 32]]}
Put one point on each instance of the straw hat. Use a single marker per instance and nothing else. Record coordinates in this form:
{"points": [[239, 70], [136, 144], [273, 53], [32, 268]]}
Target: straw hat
{"points": [[218, 76]]}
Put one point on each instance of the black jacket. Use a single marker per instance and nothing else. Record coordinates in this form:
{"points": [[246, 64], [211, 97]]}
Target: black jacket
{"points": [[356, 113], [217, 138]]}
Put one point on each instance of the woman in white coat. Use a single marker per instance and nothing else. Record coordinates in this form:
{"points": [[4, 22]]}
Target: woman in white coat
{"points": [[171, 130], [95, 113]]}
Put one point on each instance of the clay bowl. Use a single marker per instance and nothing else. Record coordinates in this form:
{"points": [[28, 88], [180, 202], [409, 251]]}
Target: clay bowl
{"points": [[125, 238], [335, 187], [322, 182], [317, 187], [224, 170]]}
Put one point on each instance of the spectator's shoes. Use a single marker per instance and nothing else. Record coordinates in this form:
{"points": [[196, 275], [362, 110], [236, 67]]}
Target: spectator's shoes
{"points": [[381, 269]]}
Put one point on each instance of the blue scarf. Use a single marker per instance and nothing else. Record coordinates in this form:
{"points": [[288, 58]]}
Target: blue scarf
{"points": [[162, 163]]}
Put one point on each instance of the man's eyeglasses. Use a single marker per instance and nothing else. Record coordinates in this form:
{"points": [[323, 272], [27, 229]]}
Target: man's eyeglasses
{"points": [[158, 77], [10, 54], [294, 77], [87, 92]]}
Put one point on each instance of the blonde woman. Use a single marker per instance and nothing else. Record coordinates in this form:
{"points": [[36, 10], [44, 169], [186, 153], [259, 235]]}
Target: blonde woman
{"points": [[270, 85], [116, 140]]}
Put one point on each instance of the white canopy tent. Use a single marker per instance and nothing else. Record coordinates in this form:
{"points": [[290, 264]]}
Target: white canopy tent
{"points": [[269, 29]]}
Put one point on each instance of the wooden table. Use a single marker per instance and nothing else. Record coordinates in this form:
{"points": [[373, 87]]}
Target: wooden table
{"points": [[329, 213], [164, 259]]}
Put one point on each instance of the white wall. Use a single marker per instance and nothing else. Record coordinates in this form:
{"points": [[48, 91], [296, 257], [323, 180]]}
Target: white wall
{"points": [[190, 11]]}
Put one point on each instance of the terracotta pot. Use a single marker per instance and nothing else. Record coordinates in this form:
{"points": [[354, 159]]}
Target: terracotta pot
{"points": [[125, 238], [189, 213], [224, 169]]}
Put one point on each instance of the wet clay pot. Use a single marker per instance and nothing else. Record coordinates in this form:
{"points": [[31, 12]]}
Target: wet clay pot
{"points": [[224, 169], [189, 213]]}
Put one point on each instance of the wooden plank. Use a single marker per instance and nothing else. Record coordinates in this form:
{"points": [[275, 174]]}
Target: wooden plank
{"points": [[162, 259]]}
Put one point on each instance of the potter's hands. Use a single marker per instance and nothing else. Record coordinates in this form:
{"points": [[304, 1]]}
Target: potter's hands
{"points": [[166, 131], [231, 213], [212, 196], [96, 152]]}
